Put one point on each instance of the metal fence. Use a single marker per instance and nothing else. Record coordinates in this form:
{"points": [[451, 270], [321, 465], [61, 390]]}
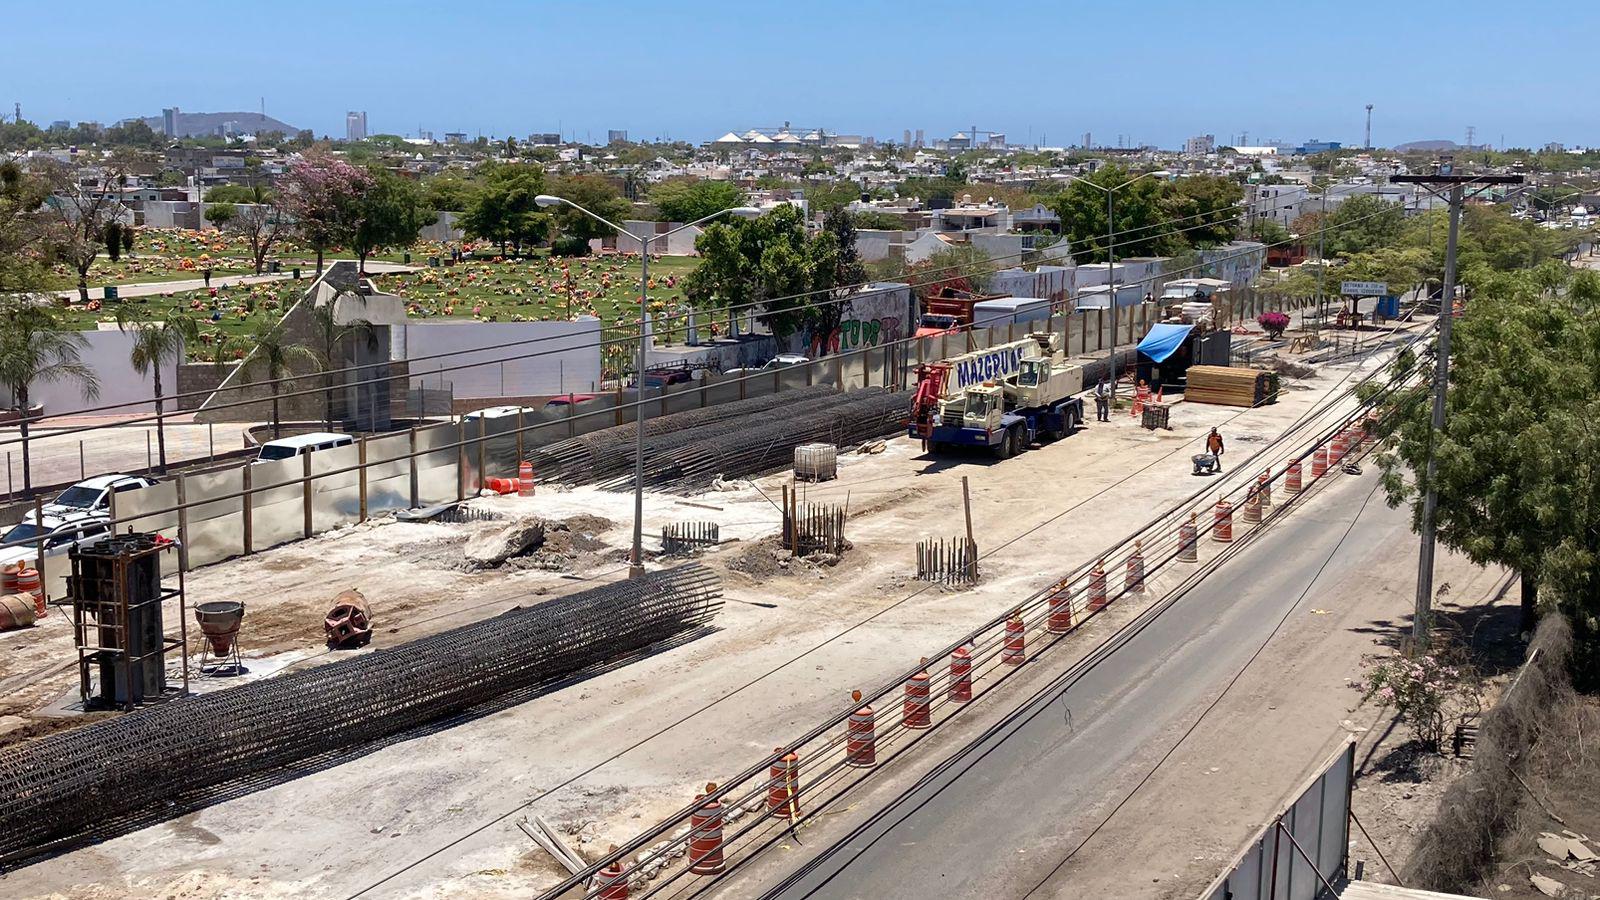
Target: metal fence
{"points": [[242, 510], [1304, 849]]}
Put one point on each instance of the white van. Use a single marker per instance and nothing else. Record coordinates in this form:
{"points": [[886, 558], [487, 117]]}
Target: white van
{"points": [[301, 444]]}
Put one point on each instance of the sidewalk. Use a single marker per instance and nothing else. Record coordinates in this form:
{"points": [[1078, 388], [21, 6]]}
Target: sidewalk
{"points": [[151, 288]]}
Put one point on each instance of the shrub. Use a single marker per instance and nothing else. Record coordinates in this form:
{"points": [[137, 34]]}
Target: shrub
{"points": [[1421, 687], [1275, 323], [569, 245]]}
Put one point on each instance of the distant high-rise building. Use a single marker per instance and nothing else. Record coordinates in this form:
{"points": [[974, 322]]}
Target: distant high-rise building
{"points": [[169, 121], [920, 142], [1200, 145], [615, 136], [355, 126], [545, 139], [905, 140], [62, 124]]}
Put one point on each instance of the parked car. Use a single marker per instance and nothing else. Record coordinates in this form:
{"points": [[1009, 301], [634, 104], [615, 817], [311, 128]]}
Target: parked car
{"points": [[497, 412], [62, 533], [301, 444], [567, 400], [785, 360], [93, 495]]}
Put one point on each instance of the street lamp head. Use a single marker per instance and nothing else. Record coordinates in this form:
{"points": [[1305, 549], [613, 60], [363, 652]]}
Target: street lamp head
{"points": [[745, 212], [548, 200]]}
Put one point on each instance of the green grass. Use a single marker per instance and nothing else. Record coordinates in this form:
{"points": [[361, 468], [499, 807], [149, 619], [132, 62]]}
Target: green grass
{"points": [[531, 289]]}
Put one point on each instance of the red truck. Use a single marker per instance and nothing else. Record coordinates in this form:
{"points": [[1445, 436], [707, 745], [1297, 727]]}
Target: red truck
{"points": [[949, 311]]}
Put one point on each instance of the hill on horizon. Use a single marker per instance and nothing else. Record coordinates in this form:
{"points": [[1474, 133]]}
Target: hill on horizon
{"points": [[206, 124], [1427, 146]]}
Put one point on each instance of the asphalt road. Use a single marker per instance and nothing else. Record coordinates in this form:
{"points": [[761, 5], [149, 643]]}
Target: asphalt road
{"points": [[1001, 812]]}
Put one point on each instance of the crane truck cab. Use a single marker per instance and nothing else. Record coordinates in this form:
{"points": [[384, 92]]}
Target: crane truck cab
{"points": [[1025, 396]]}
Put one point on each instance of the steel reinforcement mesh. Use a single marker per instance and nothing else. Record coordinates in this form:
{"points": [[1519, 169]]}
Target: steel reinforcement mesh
{"points": [[766, 444], [58, 786], [608, 452]]}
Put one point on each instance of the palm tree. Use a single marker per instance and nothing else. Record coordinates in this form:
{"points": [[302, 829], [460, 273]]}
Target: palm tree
{"points": [[154, 343], [273, 353], [331, 333], [34, 349]]}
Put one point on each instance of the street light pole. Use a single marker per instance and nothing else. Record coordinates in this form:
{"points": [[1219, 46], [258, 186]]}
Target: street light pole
{"points": [[636, 557], [1111, 264]]}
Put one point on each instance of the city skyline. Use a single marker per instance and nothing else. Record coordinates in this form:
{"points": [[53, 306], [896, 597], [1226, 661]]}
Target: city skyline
{"points": [[693, 74]]}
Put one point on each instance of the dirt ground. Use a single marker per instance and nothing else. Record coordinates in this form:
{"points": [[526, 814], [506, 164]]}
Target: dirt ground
{"points": [[626, 747]]}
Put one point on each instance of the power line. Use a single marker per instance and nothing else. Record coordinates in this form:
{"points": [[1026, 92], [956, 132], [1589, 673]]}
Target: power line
{"points": [[827, 641]]}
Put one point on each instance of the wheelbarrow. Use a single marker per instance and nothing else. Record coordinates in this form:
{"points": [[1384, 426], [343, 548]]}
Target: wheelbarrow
{"points": [[1204, 464]]}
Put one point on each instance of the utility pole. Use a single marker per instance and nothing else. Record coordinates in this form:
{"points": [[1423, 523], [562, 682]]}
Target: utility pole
{"points": [[1441, 378], [1369, 126]]}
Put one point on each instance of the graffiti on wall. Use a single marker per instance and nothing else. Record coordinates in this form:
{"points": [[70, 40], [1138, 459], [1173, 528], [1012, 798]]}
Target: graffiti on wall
{"points": [[872, 318], [853, 334]]}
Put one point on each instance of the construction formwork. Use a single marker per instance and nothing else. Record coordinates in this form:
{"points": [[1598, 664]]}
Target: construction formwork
{"points": [[116, 597]]}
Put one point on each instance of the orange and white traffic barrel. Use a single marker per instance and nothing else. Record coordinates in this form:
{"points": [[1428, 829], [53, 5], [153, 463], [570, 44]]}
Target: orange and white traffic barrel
{"points": [[1222, 522], [1097, 587], [1136, 569], [1369, 430], [1264, 491], [918, 712], [29, 582], [960, 675], [1341, 446], [525, 479], [1059, 621], [1319, 462], [1252, 506], [1016, 645], [860, 736], [1189, 541], [8, 578], [610, 883], [1292, 480], [783, 791], [705, 835]]}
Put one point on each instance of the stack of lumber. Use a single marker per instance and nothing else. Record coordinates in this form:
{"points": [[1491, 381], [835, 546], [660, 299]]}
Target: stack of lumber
{"points": [[1226, 386]]}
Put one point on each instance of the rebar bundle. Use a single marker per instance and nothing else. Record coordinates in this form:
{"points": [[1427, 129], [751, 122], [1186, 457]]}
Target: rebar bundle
{"points": [[764, 446], [57, 786], [608, 452], [953, 561]]}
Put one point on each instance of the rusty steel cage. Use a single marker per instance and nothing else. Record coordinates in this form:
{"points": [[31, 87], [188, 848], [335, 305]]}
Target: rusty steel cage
{"points": [[116, 597]]}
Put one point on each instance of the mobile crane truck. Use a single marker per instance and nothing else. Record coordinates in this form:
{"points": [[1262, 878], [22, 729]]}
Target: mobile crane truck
{"points": [[1003, 398]]}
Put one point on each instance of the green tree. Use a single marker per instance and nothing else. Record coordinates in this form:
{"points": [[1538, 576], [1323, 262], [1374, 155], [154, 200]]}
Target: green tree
{"points": [[220, 214], [272, 355], [154, 344], [1516, 464], [1205, 209], [390, 212], [23, 235], [449, 192], [1141, 216], [835, 244], [963, 268], [503, 208], [683, 200], [594, 193], [769, 263], [872, 219], [1269, 231], [113, 240], [1362, 223], [830, 195], [34, 350], [261, 225], [238, 193]]}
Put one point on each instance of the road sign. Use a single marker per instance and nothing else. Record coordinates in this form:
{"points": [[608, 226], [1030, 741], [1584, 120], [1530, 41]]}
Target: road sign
{"points": [[1364, 289]]}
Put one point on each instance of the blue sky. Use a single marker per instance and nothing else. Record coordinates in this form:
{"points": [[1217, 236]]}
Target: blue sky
{"points": [[1156, 71]]}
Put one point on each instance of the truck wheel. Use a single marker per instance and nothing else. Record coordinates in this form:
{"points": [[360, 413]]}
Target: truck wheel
{"points": [[1019, 441], [1005, 448]]}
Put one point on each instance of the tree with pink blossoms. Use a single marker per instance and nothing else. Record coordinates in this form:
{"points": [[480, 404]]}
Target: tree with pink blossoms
{"points": [[320, 192]]}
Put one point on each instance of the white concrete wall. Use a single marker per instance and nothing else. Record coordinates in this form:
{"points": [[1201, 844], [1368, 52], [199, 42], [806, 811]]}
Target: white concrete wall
{"points": [[107, 354], [443, 230], [568, 356]]}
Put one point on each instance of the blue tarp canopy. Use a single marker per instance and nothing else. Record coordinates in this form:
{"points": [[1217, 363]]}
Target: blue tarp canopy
{"points": [[1163, 341]]}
